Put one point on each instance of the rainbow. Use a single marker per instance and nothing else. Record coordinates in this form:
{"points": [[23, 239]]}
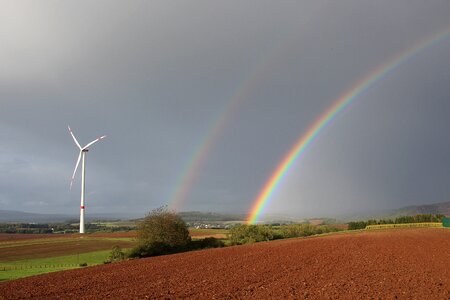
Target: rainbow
{"points": [[191, 169], [329, 115], [197, 158]]}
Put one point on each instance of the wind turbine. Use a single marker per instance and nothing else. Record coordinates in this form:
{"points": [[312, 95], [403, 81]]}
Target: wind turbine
{"points": [[82, 157]]}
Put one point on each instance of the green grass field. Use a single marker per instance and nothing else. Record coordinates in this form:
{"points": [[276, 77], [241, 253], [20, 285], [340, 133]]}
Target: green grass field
{"points": [[39, 255], [28, 267]]}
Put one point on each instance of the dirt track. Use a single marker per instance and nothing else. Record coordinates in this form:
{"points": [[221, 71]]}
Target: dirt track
{"points": [[403, 263]]}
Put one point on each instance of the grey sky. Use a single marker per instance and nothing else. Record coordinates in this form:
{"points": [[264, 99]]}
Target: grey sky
{"points": [[155, 75]]}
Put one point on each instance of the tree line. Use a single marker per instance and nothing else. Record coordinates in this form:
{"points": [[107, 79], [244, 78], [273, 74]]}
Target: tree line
{"points": [[46, 228], [421, 218]]}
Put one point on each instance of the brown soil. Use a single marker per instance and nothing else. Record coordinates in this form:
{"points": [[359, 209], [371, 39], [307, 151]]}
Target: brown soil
{"points": [[11, 237], [402, 263], [127, 234]]}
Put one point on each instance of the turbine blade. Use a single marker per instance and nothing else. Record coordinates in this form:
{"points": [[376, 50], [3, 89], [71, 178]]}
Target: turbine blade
{"points": [[93, 142], [71, 133], [75, 171]]}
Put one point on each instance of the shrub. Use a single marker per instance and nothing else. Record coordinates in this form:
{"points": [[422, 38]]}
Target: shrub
{"points": [[161, 232], [116, 254], [244, 234], [211, 242], [206, 243]]}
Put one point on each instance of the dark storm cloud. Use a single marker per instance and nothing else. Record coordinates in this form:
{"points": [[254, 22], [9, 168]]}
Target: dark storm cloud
{"points": [[153, 76]]}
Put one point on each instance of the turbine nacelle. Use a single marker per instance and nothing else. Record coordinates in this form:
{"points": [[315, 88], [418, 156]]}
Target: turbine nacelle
{"points": [[82, 149]]}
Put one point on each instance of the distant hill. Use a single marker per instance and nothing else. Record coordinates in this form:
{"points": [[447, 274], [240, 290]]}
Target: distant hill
{"points": [[12, 216], [25, 217], [442, 208], [197, 216], [9, 216], [437, 208]]}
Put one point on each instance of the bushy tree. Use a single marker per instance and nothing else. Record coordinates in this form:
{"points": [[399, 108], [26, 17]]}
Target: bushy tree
{"points": [[162, 231]]}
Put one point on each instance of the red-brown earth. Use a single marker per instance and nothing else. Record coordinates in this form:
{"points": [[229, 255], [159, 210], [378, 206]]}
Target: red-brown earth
{"points": [[388, 264], [12, 237]]}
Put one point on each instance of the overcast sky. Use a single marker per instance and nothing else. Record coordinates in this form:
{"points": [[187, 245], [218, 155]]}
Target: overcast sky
{"points": [[158, 77]]}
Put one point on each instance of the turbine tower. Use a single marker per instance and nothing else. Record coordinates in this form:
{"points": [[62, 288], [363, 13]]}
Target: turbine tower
{"points": [[82, 157]]}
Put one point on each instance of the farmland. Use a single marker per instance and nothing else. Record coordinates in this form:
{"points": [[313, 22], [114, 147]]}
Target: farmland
{"points": [[204, 233], [23, 255], [394, 263]]}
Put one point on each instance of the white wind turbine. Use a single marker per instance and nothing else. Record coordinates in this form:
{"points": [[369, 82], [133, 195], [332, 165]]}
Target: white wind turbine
{"points": [[82, 157]]}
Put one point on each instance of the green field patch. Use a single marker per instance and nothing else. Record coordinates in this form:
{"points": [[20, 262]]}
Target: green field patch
{"points": [[200, 234], [28, 267], [207, 231]]}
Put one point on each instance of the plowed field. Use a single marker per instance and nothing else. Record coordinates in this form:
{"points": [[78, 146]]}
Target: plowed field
{"points": [[7, 237], [58, 247], [401, 263], [12, 237]]}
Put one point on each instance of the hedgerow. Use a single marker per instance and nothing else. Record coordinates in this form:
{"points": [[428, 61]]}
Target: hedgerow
{"points": [[422, 218]]}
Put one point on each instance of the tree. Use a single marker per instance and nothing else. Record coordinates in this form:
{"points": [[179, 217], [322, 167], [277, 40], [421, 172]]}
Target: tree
{"points": [[162, 231]]}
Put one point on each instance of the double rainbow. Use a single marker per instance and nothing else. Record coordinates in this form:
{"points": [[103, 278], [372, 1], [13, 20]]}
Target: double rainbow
{"points": [[187, 177], [329, 115]]}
